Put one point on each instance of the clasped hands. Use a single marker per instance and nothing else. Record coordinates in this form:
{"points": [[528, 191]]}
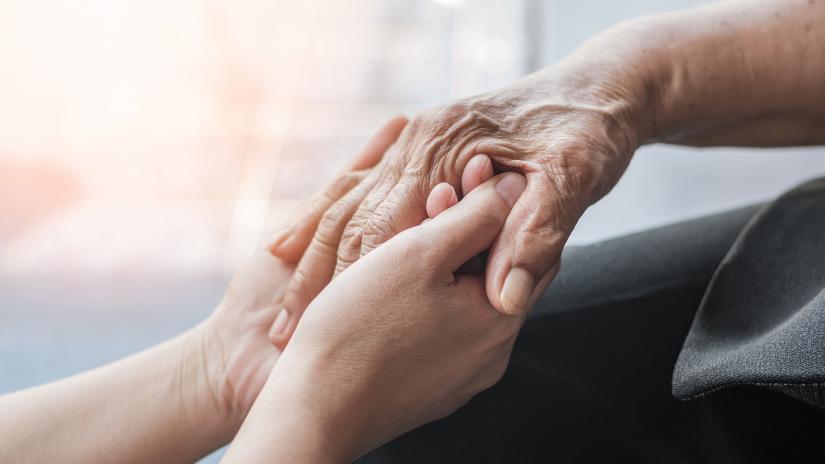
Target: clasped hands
{"points": [[401, 321], [419, 297]]}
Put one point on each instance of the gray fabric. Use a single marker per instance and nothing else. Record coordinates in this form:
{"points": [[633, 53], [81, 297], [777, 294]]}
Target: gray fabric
{"points": [[590, 377], [762, 319]]}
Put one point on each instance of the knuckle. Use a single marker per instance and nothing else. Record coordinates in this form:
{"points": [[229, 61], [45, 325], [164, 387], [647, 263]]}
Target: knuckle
{"points": [[400, 210], [542, 234], [324, 244], [350, 241], [299, 286], [346, 257], [299, 280], [349, 248], [321, 203], [577, 171], [328, 224], [341, 266], [420, 121], [341, 185], [435, 120], [455, 109], [539, 248], [340, 225]]}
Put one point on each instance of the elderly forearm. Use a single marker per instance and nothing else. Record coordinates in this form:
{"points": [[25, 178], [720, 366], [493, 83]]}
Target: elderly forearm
{"points": [[739, 73], [734, 73]]}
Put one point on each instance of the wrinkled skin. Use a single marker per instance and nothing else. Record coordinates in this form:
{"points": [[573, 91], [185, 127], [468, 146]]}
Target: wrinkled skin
{"points": [[715, 75], [571, 139], [238, 355]]}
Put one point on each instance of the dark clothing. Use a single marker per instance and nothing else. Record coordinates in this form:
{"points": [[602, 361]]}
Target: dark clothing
{"points": [[592, 375], [762, 321]]}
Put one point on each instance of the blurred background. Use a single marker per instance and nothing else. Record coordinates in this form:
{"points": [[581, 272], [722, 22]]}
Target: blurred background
{"points": [[147, 146]]}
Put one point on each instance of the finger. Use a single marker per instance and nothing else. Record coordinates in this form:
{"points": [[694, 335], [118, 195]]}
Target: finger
{"points": [[403, 208], [383, 181], [398, 210], [441, 197], [315, 270], [293, 241], [477, 171], [526, 254], [470, 227], [372, 153]]}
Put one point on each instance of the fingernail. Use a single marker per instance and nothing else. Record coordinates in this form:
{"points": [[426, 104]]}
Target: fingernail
{"points": [[515, 294], [510, 188], [281, 321], [453, 198]]}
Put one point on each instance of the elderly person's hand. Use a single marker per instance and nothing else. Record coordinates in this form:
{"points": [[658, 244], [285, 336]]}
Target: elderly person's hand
{"points": [[570, 137], [703, 77]]}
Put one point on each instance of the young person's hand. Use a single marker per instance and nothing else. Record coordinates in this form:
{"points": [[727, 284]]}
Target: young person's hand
{"points": [[311, 234], [397, 340], [237, 348], [181, 399]]}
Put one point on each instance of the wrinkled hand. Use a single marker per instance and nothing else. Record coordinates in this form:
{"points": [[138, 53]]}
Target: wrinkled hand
{"points": [[239, 355], [570, 138]]}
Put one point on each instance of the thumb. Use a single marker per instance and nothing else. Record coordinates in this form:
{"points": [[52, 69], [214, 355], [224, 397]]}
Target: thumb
{"points": [[526, 255], [470, 227]]}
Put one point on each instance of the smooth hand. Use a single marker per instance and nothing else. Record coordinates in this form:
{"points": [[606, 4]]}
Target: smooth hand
{"points": [[399, 339], [236, 342]]}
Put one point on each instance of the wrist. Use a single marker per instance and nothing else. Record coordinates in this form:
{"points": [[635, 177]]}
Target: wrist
{"points": [[200, 368], [627, 70], [328, 400], [295, 419]]}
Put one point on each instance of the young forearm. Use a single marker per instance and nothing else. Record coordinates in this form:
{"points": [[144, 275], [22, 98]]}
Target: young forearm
{"points": [[156, 406], [293, 420]]}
